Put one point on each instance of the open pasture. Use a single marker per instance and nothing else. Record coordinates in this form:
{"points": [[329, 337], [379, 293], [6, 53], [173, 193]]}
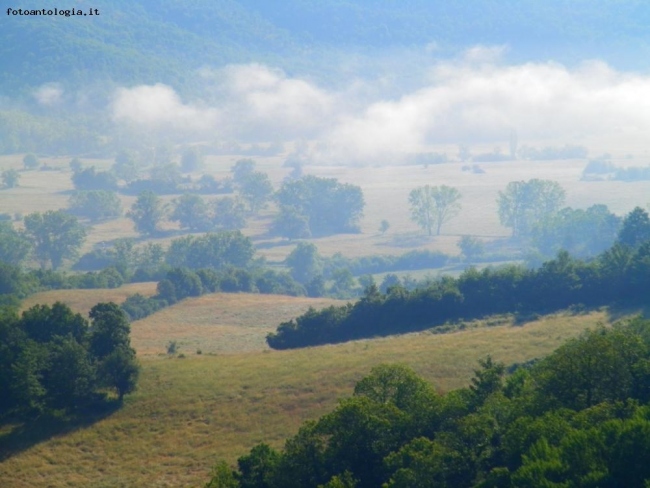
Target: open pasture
{"points": [[219, 323], [190, 412]]}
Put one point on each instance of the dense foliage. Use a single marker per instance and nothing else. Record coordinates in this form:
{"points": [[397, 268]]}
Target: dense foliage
{"points": [[55, 236], [583, 233], [217, 250], [524, 203], [324, 205], [53, 359], [577, 418]]}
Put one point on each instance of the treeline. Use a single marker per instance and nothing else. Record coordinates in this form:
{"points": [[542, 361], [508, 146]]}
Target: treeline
{"points": [[602, 168], [52, 359], [181, 283], [620, 274], [577, 418], [412, 260]]}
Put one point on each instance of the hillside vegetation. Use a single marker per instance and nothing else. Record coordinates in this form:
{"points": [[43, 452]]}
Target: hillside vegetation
{"points": [[190, 412], [149, 42]]}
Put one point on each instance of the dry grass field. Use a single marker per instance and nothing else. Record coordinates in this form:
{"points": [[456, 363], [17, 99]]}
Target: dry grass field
{"points": [[190, 412], [386, 191], [219, 323], [81, 301]]}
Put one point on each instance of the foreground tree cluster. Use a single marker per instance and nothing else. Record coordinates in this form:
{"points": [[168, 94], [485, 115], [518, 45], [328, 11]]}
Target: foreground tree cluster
{"points": [[578, 418], [52, 359]]}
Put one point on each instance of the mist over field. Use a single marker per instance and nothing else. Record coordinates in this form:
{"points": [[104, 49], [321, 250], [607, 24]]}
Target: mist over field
{"points": [[475, 99]]}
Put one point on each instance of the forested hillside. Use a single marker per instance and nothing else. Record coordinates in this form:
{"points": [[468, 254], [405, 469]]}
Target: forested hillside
{"points": [[577, 418], [148, 42]]}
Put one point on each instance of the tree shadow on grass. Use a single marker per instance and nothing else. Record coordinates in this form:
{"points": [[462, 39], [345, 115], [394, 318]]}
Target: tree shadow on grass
{"points": [[407, 240], [29, 433], [621, 311]]}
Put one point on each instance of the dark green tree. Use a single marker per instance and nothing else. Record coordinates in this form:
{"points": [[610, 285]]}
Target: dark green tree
{"points": [[120, 370], [56, 236], [635, 229], [431, 207], [10, 178], [217, 250], [524, 203], [256, 189], [584, 233], [75, 165], [109, 329], [14, 246], [229, 214], [166, 175], [241, 169], [147, 212], [30, 161], [91, 179], [257, 469], [328, 206], [191, 212], [291, 223], [222, 476], [191, 159], [70, 377], [110, 344], [304, 262], [125, 167], [96, 204], [42, 323]]}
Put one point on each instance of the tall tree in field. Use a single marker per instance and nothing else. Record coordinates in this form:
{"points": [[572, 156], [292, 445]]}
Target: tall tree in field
{"points": [[10, 178], [56, 235], [525, 203], [327, 206], [14, 246], [110, 345], [242, 169], [191, 212], [256, 189], [30, 161], [431, 207], [147, 212], [191, 160]]}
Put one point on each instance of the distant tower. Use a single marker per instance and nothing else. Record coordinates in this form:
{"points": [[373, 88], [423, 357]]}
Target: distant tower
{"points": [[513, 144]]}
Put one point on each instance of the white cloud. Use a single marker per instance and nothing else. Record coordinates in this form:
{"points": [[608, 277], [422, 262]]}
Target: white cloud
{"points": [[159, 106], [475, 99], [49, 94], [470, 102]]}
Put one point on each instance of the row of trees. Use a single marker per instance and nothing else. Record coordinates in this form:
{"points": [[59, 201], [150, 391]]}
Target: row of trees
{"points": [[620, 274], [521, 205], [577, 418]]}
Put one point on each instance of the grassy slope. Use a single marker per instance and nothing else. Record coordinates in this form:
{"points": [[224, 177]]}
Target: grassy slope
{"points": [[190, 412]]}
